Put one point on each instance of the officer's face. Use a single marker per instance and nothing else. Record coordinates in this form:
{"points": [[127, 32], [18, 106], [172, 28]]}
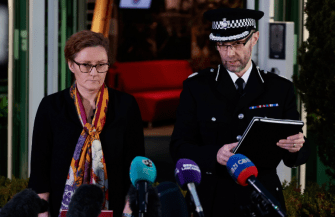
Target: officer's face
{"points": [[238, 58]]}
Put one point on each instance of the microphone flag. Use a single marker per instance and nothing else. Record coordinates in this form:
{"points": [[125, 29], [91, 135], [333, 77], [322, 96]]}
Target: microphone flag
{"points": [[142, 169], [241, 168], [187, 171]]}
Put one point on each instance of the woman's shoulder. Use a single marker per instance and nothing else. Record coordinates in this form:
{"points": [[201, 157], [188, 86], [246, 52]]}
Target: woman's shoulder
{"points": [[56, 100]]}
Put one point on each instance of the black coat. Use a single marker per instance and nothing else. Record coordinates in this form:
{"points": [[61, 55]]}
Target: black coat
{"points": [[207, 118], [56, 132]]}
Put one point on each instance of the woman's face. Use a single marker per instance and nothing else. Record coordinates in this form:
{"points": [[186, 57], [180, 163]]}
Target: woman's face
{"points": [[92, 80]]}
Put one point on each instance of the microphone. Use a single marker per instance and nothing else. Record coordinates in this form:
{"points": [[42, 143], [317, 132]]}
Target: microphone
{"points": [[24, 204], [154, 206], [142, 174], [86, 201], [244, 172], [173, 203], [188, 175]]}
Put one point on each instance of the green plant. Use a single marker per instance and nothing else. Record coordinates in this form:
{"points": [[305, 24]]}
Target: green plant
{"points": [[316, 201], [10, 187], [293, 197], [316, 80], [3, 107]]}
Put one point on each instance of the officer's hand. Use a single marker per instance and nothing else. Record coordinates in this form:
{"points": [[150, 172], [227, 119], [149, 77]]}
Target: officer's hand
{"points": [[225, 153], [292, 143]]}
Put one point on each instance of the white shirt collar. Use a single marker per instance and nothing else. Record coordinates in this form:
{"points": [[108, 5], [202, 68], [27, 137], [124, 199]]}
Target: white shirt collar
{"points": [[245, 76]]}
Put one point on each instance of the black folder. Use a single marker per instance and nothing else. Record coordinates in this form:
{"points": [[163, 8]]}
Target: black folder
{"points": [[259, 140]]}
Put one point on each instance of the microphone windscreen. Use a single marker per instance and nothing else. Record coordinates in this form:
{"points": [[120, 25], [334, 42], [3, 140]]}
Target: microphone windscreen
{"points": [[24, 204], [142, 169], [86, 201], [187, 171], [154, 204], [172, 200], [241, 168]]}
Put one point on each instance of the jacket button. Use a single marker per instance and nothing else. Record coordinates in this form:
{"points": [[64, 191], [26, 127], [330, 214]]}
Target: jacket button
{"points": [[238, 137], [213, 119], [212, 70], [241, 116]]}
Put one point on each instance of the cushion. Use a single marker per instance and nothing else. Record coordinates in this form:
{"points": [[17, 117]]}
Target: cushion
{"points": [[158, 105], [152, 75]]}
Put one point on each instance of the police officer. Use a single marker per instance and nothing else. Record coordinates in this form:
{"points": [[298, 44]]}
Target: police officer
{"points": [[216, 106]]}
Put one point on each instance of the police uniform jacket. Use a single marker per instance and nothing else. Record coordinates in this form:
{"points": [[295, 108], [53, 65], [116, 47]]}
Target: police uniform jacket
{"points": [[211, 113]]}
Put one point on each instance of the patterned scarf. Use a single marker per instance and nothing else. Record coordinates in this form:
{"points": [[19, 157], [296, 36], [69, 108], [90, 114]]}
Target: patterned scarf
{"points": [[88, 163]]}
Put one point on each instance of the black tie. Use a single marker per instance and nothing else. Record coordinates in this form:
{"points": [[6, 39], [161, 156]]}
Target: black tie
{"points": [[239, 82]]}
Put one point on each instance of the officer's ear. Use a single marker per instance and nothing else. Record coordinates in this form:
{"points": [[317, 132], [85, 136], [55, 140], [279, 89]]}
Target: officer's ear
{"points": [[255, 37]]}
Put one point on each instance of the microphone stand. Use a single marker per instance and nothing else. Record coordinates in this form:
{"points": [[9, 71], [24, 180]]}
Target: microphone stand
{"points": [[142, 197], [263, 203], [259, 207], [198, 207]]}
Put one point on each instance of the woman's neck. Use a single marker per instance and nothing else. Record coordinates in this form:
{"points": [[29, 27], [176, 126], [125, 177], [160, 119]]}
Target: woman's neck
{"points": [[88, 99], [87, 96]]}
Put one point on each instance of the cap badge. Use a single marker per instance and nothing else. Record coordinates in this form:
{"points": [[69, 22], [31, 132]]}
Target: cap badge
{"points": [[136, 1], [224, 23]]}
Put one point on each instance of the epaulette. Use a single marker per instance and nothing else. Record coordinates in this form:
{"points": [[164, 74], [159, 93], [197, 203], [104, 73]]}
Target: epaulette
{"points": [[284, 78], [275, 75], [202, 72]]}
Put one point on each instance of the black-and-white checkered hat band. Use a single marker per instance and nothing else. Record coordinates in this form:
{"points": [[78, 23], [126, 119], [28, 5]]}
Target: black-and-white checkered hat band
{"points": [[240, 23]]}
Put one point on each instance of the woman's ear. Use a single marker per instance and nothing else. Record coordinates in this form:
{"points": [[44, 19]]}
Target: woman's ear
{"points": [[71, 65]]}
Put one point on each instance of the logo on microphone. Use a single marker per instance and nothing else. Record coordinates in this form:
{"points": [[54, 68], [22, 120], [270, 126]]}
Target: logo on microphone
{"points": [[147, 162], [190, 167], [233, 168], [242, 161]]}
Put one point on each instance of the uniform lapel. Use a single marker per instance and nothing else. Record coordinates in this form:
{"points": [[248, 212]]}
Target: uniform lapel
{"points": [[225, 85], [253, 89]]}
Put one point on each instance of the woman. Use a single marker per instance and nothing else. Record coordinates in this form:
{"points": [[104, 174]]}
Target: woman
{"points": [[87, 133]]}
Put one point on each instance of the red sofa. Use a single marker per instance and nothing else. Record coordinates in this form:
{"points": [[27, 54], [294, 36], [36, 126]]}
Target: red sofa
{"points": [[156, 85]]}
